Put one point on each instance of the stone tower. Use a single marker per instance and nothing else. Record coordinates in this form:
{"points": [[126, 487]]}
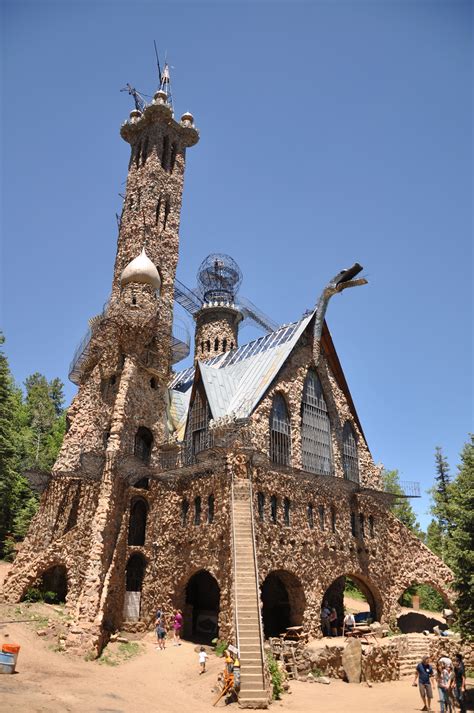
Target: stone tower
{"points": [[122, 369]]}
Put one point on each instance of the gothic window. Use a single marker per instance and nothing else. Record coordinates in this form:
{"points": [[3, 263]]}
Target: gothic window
{"points": [[280, 434], [310, 515], [143, 444], [321, 517], [353, 524], [224, 345], [174, 153], [184, 511], [197, 433], [165, 155], [261, 506], [216, 344], [286, 511], [137, 522], [210, 509], [197, 510], [273, 508], [208, 345], [371, 526], [231, 346], [362, 525], [350, 460], [333, 520], [315, 428]]}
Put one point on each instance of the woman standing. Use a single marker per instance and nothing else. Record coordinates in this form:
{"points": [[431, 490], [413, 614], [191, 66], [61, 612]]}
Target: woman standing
{"points": [[177, 625], [444, 678]]}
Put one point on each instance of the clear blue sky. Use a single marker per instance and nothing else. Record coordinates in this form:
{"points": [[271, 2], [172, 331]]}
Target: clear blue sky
{"points": [[330, 132]]}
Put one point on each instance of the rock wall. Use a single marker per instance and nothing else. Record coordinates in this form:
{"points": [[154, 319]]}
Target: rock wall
{"points": [[216, 331]]}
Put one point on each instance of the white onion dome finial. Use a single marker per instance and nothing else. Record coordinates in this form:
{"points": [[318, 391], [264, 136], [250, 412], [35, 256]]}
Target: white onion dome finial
{"points": [[142, 270]]}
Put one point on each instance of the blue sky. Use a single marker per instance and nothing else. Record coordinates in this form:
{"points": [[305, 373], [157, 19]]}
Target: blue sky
{"points": [[330, 132]]}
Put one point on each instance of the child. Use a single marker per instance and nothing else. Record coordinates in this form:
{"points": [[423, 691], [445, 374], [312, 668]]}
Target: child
{"points": [[202, 660]]}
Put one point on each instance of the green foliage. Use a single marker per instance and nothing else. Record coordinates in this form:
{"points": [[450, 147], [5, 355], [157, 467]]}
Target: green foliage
{"points": [[32, 427], [316, 672], [352, 590], [35, 594], [430, 599], [220, 646], [276, 677], [440, 494], [434, 538], [401, 507], [460, 541]]}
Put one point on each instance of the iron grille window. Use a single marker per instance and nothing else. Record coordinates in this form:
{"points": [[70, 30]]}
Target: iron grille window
{"points": [[273, 508], [198, 437], [371, 525], [210, 509], [143, 444], [350, 460], [362, 524], [280, 434], [286, 511], [184, 512], [321, 517], [310, 514], [315, 428], [261, 506], [333, 520], [197, 510], [353, 524]]}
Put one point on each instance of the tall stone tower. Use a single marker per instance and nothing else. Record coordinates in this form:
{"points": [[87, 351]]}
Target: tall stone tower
{"points": [[122, 369]]}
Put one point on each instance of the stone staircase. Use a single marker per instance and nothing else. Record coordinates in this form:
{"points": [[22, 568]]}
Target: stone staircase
{"points": [[415, 647], [247, 601]]}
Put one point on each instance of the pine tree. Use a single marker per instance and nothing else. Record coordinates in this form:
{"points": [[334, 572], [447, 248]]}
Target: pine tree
{"points": [[460, 542], [440, 494], [401, 508], [8, 456]]}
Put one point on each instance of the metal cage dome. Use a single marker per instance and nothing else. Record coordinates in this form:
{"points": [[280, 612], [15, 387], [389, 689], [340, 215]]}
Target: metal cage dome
{"points": [[219, 278]]}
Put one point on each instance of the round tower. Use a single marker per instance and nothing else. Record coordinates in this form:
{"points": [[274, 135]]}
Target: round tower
{"points": [[217, 322]]}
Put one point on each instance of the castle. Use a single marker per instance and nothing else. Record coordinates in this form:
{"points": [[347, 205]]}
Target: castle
{"points": [[240, 490]]}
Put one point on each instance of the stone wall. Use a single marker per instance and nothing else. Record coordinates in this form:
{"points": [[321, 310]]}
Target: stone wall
{"points": [[216, 331]]}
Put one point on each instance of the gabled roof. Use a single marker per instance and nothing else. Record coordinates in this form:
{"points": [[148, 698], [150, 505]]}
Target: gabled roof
{"points": [[236, 381]]}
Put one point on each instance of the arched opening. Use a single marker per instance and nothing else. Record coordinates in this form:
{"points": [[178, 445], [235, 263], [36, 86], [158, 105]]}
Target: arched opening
{"points": [[211, 503], [134, 574], [137, 523], [422, 609], [283, 602], [142, 484], [350, 457], [350, 594], [316, 452], [54, 584], [202, 607], [280, 432], [143, 444]]}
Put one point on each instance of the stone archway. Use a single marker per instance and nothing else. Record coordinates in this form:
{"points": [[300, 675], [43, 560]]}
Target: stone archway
{"points": [[283, 602], [54, 580], [422, 606], [334, 597], [134, 575], [201, 616]]}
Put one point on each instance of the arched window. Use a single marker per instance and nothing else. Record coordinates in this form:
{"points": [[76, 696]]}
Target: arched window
{"points": [[286, 511], [210, 509], [143, 444], [261, 506], [137, 522], [197, 510], [353, 524], [371, 525], [231, 346], [273, 508], [174, 153], [165, 156], [198, 437], [333, 520], [315, 428], [202, 347], [310, 514], [145, 151], [224, 345], [322, 523], [362, 524], [216, 344], [158, 211], [184, 511], [280, 434], [208, 345], [350, 460]]}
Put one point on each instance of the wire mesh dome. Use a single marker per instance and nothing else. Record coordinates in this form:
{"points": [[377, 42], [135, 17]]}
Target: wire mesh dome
{"points": [[219, 278]]}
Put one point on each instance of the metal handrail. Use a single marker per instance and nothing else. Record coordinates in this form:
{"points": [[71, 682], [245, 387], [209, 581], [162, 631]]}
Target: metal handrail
{"points": [[234, 567], [260, 626]]}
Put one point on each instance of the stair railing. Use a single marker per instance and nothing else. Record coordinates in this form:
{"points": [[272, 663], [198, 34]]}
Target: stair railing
{"points": [[234, 568], [257, 580]]}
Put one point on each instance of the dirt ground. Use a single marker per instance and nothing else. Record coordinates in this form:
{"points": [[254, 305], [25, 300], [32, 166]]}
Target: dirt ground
{"points": [[50, 681]]}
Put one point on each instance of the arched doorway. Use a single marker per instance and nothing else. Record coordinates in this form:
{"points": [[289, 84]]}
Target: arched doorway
{"points": [[352, 593], [134, 574], [422, 609], [54, 584], [283, 602], [137, 522], [202, 607]]}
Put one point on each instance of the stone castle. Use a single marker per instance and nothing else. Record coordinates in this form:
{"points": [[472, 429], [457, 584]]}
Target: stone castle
{"points": [[240, 490]]}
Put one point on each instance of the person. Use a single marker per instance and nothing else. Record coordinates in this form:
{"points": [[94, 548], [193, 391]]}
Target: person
{"points": [[349, 622], [443, 679], [177, 625], [202, 660], [458, 683], [325, 625], [333, 622], [423, 675], [157, 623], [161, 630]]}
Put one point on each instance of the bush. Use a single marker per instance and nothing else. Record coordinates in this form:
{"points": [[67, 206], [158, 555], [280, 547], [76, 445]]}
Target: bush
{"points": [[276, 677], [220, 646], [33, 594]]}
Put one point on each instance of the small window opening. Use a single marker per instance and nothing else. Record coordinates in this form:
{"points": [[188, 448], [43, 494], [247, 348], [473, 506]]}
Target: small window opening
{"points": [[134, 300], [310, 514], [153, 383], [202, 347], [145, 151], [137, 523], [224, 345], [197, 510], [353, 524], [231, 346], [333, 520], [216, 344], [273, 508], [208, 345], [286, 511], [143, 444], [261, 506], [167, 212], [158, 211], [137, 155], [362, 524], [322, 523], [131, 202], [184, 511], [142, 484], [210, 509], [113, 379], [174, 153], [371, 526], [106, 438], [165, 155], [122, 361]]}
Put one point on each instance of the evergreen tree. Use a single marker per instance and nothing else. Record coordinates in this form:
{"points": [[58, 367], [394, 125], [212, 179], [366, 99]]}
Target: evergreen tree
{"points": [[440, 495], [460, 542], [401, 508], [8, 455], [434, 538]]}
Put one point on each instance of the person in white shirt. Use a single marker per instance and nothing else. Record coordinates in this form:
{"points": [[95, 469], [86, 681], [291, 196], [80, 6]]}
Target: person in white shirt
{"points": [[202, 660], [349, 622]]}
